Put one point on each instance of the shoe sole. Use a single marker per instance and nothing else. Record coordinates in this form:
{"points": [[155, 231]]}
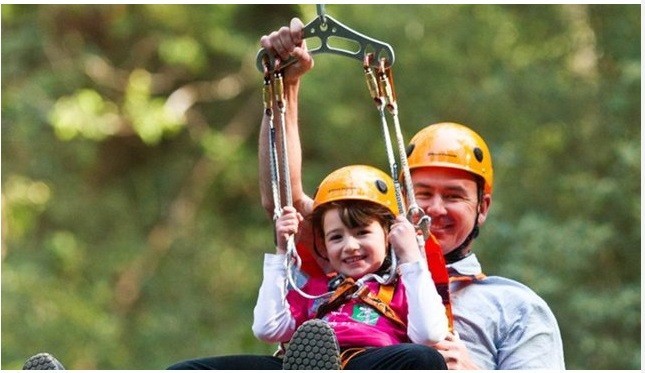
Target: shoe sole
{"points": [[313, 347], [43, 361]]}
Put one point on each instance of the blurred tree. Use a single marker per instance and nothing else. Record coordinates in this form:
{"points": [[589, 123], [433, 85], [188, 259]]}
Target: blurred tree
{"points": [[132, 233]]}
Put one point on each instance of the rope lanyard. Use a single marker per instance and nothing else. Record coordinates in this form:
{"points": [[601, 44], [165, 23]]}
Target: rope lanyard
{"points": [[273, 156], [379, 95], [273, 89], [383, 94]]}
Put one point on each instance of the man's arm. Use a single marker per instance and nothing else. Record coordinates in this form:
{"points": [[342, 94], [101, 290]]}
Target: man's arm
{"points": [[285, 43]]}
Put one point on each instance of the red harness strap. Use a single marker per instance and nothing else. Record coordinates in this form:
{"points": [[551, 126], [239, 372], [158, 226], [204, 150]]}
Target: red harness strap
{"points": [[439, 272], [309, 264]]}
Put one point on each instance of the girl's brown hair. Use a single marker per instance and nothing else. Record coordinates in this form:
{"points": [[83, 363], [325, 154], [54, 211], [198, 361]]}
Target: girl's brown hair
{"points": [[353, 213]]}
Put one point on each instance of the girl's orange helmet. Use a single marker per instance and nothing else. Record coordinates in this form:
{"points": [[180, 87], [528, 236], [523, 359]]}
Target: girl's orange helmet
{"points": [[358, 182], [452, 145]]}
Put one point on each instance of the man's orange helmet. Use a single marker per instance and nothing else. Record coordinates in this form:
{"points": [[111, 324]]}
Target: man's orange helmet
{"points": [[452, 145], [358, 182]]}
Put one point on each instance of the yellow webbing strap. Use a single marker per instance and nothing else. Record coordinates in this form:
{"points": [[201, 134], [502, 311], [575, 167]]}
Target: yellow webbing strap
{"points": [[385, 293], [467, 278]]}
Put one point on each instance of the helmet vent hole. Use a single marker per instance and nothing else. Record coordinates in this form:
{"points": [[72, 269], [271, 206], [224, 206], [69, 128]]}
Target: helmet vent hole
{"points": [[409, 150], [479, 154], [381, 186]]}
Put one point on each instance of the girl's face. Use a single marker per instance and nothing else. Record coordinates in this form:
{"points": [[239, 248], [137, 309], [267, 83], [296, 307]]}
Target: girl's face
{"points": [[353, 252]]}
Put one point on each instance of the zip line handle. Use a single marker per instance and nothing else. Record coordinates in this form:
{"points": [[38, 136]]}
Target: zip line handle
{"points": [[325, 27]]}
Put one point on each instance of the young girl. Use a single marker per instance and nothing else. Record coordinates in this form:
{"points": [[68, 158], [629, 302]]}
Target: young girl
{"points": [[377, 316]]}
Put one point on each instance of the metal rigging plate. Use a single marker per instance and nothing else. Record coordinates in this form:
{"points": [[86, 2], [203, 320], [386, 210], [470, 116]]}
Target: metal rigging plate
{"points": [[325, 27]]}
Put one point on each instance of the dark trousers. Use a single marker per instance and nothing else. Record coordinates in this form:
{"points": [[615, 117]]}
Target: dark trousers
{"points": [[400, 356]]}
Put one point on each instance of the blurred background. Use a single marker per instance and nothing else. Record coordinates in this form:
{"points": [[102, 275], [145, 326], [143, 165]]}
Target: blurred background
{"points": [[132, 230]]}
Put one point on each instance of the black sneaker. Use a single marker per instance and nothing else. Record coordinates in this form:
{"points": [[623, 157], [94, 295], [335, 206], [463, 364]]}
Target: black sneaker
{"points": [[312, 347], [43, 361]]}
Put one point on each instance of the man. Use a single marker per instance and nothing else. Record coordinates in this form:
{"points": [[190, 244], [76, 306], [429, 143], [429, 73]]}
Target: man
{"points": [[499, 323]]}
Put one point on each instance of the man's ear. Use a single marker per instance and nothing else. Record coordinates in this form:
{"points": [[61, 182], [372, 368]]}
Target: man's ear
{"points": [[484, 207]]}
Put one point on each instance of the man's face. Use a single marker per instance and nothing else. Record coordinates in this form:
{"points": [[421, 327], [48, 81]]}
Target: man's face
{"points": [[449, 197]]}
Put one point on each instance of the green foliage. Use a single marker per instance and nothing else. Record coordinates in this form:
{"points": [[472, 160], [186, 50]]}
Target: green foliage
{"points": [[132, 231]]}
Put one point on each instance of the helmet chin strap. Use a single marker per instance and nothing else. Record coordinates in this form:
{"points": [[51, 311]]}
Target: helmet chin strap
{"points": [[462, 250]]}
